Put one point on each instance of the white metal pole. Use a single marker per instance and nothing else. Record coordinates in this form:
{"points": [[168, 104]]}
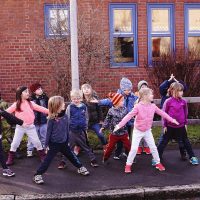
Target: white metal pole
{"points": [[74, 45]]}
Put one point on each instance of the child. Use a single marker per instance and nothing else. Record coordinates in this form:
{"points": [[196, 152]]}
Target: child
{"points": [[114, 116], [57, 138], [143, 147], [24, 110], [176, 107], [164, 92], [144, 112], [78, 125], [11, 120], [41, 99], [94, 111]]}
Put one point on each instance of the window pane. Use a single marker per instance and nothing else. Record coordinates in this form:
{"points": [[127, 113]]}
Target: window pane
{"points": [[58, 21], [160, 20], [194, 20], [194, 46], [122, 20], [123, 49], [160, 46]]}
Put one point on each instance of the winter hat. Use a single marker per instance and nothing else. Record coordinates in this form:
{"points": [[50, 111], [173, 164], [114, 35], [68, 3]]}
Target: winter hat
{"points": [[143, 82], [34, 87], [115, 98], [125, 84]]}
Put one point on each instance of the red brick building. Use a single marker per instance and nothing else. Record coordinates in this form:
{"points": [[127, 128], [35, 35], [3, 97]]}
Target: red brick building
{"points": [[132, 31]]}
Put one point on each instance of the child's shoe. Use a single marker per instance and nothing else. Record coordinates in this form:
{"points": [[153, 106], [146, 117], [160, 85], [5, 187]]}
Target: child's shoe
{"points": [[94, 163], [146, 150], [128, 169], [194, 161], [139, 151], [160, 167], [38, 179], [83, 171], [8, 172], [29, 154], [62, 165]]}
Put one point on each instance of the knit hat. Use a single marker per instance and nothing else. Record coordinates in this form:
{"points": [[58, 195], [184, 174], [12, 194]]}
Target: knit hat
{"points": [[34, 87], [115, 98], [125, 84], [143, 82]]}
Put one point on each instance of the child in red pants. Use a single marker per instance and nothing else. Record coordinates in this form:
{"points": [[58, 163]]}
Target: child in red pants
{"points": [[114, 116]]}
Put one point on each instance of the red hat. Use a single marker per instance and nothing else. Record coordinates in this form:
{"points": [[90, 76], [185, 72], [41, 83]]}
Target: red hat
{"points": [[35, 86], [115, 97]]}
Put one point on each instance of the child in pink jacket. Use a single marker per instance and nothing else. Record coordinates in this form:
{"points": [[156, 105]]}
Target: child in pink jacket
{"points": [[24, 110], [144, 112]]}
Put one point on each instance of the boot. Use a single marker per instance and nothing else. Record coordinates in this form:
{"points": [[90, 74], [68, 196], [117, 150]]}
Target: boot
{"points": [[11, 156], [41, 154]]}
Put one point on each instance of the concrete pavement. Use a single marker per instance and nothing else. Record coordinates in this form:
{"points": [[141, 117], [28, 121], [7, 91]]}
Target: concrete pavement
{"points": [[108, 181]]}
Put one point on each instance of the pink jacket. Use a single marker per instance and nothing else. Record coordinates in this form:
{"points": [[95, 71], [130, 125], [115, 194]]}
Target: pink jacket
{"points": [[27, 113], [144, 116]]}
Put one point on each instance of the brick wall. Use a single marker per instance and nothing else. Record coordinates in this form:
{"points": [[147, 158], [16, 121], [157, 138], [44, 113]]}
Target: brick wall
{"points": [[22, 24]]}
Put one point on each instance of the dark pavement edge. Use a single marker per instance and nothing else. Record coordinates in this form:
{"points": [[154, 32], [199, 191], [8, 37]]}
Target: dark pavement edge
{"points": [[141, 193]]}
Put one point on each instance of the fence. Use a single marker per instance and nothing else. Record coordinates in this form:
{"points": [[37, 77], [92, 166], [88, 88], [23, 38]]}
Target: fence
{"points": [[189, 100]]}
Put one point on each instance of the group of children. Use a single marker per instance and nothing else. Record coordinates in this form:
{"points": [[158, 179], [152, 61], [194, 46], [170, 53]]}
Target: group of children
{"points": [[53, 128]]}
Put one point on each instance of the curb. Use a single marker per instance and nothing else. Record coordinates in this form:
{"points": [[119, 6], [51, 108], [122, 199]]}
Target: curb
{"points": [[167, 192]]}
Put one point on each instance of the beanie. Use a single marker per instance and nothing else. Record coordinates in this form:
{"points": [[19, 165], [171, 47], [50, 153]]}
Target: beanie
{"points": [[143, 82], [115, 98], [125, 84], [34, 87]]}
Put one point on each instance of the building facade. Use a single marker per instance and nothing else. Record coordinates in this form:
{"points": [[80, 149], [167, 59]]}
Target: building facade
{"points": [[119, 37]]}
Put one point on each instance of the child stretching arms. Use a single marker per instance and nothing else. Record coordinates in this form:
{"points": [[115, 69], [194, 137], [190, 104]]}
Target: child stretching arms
{"points": [[57, 138], [11, 120], [144, 112], [24, 110], [176, 107]]}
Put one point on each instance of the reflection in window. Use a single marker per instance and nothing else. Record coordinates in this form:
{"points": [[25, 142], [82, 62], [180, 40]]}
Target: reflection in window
{"points": [[160, 46], [194, 20], [194, 46], [122, 20], [160, 20], [123, 49]]}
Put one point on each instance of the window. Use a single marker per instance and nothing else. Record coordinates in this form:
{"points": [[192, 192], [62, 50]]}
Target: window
{"points": [[192, 29], [160, 30], [123, 35], [56, 20]]}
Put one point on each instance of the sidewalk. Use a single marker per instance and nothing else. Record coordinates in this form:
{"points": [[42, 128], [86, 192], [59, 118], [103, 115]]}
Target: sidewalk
{"points": [[107, 181]]}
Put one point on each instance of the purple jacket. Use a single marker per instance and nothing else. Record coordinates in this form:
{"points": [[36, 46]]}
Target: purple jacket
{"points": [[177, 109]]}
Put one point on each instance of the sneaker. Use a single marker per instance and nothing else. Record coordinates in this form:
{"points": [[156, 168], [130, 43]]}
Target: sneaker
{"points": [[139, 151], [128, 169], [38, 179], [94, 163], [62, 165], [8, 172], [194, 161], [116, 157], [153, 162], [146, 150], [83, 171], [160, 167], [29, 154]]}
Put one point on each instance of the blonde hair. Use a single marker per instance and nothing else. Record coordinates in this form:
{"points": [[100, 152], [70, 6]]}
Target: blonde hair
{"points": [[93, 93], [175, 88], [54, 105], [144, 92], [76, 93]]}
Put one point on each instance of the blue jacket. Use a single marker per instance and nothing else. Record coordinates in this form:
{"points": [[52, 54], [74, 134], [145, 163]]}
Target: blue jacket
{"points": [[78, 117], [57, 130]]}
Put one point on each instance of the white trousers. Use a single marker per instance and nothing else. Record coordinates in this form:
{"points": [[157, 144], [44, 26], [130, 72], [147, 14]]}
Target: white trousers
{"points": [[31, 132], [136, 138]]}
